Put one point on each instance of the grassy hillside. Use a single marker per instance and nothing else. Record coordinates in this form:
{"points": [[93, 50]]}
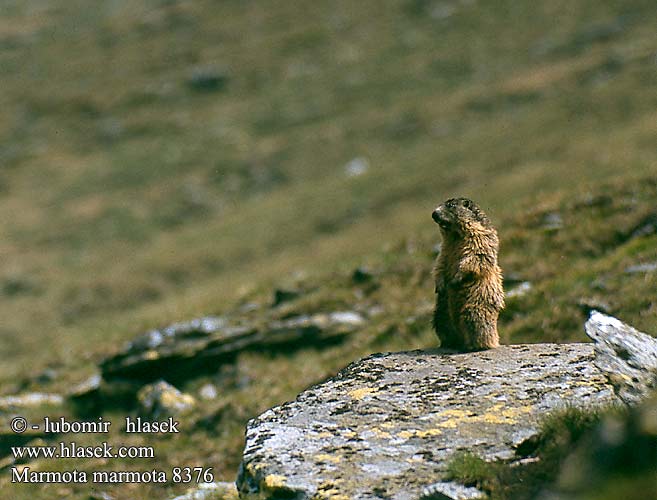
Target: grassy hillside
{"points": [[165, 159]]}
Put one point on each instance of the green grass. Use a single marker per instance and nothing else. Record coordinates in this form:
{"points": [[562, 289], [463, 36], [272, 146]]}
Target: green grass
{"points": [[560, 433], [129, 200], [592, 454]]}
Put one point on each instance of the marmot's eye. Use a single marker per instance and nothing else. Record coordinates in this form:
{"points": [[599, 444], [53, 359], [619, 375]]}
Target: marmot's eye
{"points": [[467, 204]]}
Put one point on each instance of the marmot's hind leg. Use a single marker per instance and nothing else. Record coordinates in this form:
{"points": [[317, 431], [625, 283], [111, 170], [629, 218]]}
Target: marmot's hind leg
{"points": [[442, 325], [479, 329]]}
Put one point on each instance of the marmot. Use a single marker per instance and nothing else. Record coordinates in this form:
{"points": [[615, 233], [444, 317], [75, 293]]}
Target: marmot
{"points": [[469, 293]]}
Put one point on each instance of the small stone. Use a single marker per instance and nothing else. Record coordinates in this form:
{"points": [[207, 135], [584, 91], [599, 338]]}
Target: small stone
{"points": [[47, 375], [451, 491], [100, 495], [17, 285], [357, 167], [208, 391], [282, 295], [519, 290], [90, 385], [211, 491], [161, 399], [512, 279], [208, 79], [249, 307], [552, 222], [649, 267], [362, 275], [350, 318]]}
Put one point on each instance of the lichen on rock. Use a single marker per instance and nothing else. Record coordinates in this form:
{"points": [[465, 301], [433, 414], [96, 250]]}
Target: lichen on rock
{"points": [[386, 426]]}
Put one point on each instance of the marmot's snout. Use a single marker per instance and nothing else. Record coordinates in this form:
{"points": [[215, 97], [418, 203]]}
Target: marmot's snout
{"points": [[438, 215], [442, 217]]}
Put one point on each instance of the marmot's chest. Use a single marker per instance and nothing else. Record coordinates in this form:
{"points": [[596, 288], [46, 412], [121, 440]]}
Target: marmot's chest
{"points": [[452, 257]]}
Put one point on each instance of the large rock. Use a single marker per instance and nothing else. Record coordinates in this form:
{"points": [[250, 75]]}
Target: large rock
{"points": [[387, 426], [626, 356], [186, 350]]}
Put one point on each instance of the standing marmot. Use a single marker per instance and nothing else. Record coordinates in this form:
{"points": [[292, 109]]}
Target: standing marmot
{"points": [[469, 293]]}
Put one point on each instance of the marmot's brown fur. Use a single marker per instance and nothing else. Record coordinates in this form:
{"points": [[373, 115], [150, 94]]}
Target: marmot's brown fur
{"points": [[469, 293]]}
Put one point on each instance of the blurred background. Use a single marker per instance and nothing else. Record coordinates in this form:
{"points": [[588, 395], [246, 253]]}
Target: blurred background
{"points": [[166, 159]]}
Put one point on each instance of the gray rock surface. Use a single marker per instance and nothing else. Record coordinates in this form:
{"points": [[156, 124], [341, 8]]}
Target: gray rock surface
{"points": [[186, 350], [211, 491], [626, 356], [387, 426], [30, 400], [451, 491]]}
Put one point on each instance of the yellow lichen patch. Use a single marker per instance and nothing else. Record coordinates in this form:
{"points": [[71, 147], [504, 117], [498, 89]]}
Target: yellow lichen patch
{"points": [[453, 413], [349, 434], [387, 425], [418, 433], [429, 432], [329, 491], [451, 423], [514, 412], [275, 481], [323, 435], [381, 433], [254, 468], [499, 415], [361, 393], [497, 419], [496, 414], [406, 434], [324, 457]]}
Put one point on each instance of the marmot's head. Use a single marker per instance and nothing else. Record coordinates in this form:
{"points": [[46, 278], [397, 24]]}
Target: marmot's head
{"points": [[459, 216]]}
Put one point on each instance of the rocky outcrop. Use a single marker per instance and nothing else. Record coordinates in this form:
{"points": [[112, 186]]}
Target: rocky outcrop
{"points": [[186, 350], [626, 356], [387, 426]]}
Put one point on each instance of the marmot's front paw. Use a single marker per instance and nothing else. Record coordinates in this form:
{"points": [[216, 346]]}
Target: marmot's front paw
{"points": [[460, 278]]}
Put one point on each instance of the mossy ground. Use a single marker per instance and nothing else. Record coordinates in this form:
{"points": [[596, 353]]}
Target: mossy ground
{"points": [[130, 200]]}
